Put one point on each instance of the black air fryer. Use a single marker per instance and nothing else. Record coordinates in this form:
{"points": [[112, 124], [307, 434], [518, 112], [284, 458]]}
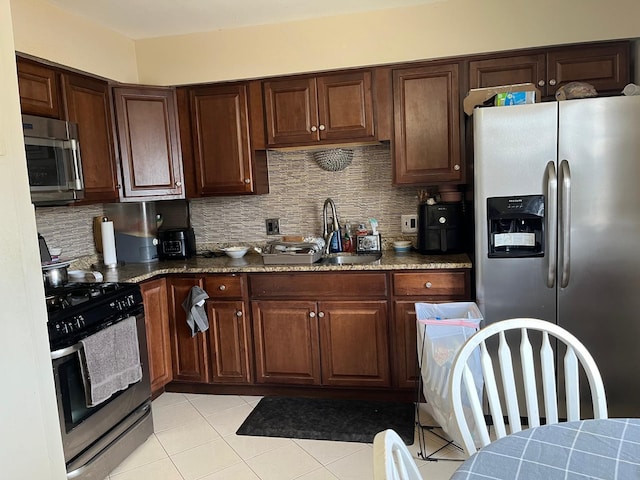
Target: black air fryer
{"points": [[441, 228]]}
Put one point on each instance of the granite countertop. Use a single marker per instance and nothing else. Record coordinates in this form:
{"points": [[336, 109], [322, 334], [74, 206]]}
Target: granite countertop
{"points": [[252, 263]]}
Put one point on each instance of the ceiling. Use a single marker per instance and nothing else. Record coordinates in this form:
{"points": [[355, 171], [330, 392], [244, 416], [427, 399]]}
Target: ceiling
{"points": [[137, 19]]}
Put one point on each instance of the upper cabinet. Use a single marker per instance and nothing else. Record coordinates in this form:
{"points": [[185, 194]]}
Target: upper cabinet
{"points": [[327, 108], [147, 132], [86, 102], [426, 112], [605, 66], [39, 90], [222, 132]]}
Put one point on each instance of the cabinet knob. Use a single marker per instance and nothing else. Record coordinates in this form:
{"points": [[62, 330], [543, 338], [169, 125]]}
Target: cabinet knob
{"points": [[321, 127], [541, 83], [222, 288], [321, 314], [247, 180], [119, 187], [456, 167], [312, 314], [178, 184], [239, 313], [552, 82], [428, 285], [314, 128]]}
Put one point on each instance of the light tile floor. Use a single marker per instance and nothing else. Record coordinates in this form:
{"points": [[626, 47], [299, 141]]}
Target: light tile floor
{"points": [[195, 439]]}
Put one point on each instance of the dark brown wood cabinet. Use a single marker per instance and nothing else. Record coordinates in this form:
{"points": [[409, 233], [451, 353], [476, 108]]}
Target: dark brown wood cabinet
{"points": [[154, 295], [229, 329], [409, 288], [321, 329], [223, 147], [39, 89], [149, 144], [605, 66], [87, 103], [327, 108], [189, 352], [426, 145]]}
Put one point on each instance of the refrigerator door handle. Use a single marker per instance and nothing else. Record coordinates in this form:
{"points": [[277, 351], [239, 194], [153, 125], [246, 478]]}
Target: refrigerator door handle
{"points": [[552, 222], [565, 222]]}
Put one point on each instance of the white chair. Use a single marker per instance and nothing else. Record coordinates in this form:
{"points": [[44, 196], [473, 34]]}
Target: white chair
{"points": [[392, 459], [462, 377]]}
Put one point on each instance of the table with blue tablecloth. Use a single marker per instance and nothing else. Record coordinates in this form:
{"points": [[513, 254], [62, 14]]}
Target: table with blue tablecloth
{"points": [[594, 449]]}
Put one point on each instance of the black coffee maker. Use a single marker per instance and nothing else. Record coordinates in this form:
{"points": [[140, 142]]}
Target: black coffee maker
{"points": [[441, 227]]}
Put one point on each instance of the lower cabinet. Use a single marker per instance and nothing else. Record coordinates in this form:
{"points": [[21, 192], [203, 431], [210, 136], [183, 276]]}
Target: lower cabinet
{"points": [[154, 297], [302, 339]]}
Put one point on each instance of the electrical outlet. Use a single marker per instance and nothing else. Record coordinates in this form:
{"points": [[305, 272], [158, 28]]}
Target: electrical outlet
{"points": [[409, 223], [273, 226]]}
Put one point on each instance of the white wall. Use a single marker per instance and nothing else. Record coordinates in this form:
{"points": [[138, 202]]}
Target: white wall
{"points": [[30, 445]]}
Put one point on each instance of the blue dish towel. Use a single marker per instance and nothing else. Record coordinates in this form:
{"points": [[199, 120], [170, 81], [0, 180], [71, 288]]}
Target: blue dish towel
{"points": [[196, 314]]}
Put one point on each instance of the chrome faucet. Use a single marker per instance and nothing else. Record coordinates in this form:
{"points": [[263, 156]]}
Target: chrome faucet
{"points": [[335, 226]]}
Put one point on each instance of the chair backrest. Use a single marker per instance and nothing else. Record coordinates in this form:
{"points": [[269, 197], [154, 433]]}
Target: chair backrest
{"points": [[462, 378], [392, 459]]}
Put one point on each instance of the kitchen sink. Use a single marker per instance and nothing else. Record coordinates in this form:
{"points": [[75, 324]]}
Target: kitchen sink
{"points": [[350, 258]]}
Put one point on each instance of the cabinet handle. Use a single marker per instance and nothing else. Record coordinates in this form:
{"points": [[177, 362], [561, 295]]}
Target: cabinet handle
{"points": [[456, 167], [222, 288], [428, 285], [312, 314], [552, 82], [322, 127], [238, 313], [247, 180], [321, 314], [314, 128], [178, 184], [541, 83]]}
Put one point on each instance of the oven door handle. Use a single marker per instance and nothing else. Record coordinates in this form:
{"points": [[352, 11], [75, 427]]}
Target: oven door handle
{"points": [[65, 352]]}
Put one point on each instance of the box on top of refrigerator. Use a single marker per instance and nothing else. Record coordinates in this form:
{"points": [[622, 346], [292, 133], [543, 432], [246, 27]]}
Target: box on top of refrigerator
{"points": [[520, 93]]}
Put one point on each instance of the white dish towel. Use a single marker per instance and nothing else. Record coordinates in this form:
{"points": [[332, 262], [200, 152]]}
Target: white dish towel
{"points": [[110, 361], [196, 314]]}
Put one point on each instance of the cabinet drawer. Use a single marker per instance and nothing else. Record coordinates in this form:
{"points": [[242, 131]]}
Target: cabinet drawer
{"points": [[448, 284], [224, 286], [318, 285]]}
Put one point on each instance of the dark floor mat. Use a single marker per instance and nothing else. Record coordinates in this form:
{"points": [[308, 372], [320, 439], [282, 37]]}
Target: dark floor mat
{"points": [[328, 419]]}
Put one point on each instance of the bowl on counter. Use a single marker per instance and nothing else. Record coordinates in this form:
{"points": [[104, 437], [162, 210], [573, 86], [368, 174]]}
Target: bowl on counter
{"points": [[235, 252], [402, 246]]}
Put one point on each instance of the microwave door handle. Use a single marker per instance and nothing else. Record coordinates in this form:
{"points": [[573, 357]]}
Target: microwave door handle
{"points": [[65, 352], [565, 223], [552, 222], [76, 165]]}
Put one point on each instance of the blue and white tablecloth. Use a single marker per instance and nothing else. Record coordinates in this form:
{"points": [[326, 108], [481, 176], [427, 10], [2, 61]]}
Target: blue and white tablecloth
{"points": [[593, 449]]}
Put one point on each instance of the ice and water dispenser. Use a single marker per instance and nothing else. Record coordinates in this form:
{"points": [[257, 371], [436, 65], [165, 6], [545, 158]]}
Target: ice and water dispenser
{"points": [[516, 226]]}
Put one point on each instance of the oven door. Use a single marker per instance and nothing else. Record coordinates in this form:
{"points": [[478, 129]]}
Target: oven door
{"points": [[82, 426]]}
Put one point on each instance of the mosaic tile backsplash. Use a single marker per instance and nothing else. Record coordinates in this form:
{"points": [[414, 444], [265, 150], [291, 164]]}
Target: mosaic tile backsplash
{"points": [[298, 189]]}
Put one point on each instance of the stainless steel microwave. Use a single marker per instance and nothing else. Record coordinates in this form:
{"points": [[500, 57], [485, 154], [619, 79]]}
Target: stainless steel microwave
{"points": [[53, 160]]}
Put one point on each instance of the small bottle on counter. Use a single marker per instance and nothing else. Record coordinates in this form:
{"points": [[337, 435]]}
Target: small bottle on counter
{"points": [[336, 242], [347, 244], [362, 230]]}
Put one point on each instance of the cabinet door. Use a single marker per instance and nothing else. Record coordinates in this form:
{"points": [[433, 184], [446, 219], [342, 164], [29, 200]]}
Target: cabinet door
{"points": [[220, 129], [86, 102], [345, 106], [405, 368], [291, 111], [39, 89], [354, 343], [606, 67], [228, 338], [189, 353], [493, 72], [156, 318], [149, 145], [285, 335], [426, 125]]}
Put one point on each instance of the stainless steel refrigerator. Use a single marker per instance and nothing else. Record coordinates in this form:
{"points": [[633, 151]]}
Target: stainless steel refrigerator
{"points": [[557, 224]]}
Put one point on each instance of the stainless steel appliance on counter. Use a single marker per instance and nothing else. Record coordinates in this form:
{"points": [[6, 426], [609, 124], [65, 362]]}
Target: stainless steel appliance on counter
{"points": [[53, 160], [97, 435], [557, 215]]}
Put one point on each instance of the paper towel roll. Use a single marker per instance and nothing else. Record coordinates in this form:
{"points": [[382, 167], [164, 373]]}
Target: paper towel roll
{"points": [[108, 244]]}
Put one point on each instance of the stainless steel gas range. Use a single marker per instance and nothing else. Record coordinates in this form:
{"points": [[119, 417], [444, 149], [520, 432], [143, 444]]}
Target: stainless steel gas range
{"points": [[98, 433]]}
